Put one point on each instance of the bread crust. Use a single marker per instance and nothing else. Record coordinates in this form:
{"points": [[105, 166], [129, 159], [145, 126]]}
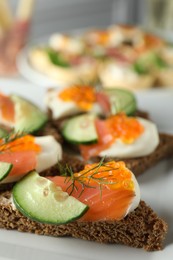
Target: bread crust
{"points": [[142, 228]]}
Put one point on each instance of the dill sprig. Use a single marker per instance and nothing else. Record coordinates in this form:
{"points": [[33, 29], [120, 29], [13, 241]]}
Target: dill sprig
{"points": [[85, 179]]}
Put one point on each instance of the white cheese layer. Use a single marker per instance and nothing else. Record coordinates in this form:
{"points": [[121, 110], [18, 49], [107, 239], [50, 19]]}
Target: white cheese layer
{"points": [[60, 108], [137, 197], [51, 152], [142, 146]]}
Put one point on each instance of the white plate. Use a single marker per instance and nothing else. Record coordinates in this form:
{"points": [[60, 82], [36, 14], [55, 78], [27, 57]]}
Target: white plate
{"points": [[23, 88], [156, 190], [27, 71]]}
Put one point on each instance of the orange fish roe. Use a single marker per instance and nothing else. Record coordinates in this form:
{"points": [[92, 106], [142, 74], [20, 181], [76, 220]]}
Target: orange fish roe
{"points": [[24, 143], [100, 37], [7, 108], [152, 42], [126, 128], [83, 96], [112, 175]]}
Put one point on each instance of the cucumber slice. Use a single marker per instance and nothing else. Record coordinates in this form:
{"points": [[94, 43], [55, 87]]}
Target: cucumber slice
{"points": [[57, 58], [121, 100], [5, 169], [80, 129], [41, 200], [29, 118], [149, 62]]}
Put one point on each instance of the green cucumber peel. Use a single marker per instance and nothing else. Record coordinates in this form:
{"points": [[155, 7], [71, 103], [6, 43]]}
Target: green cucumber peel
{"points": [[121, 100], [57, 59], [29, 118], [41, 200], [5, 169], [80, 129], [148, 62]]}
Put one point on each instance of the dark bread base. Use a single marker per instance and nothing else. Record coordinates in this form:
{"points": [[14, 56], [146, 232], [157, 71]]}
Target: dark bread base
{"points": [[142, 228], [49, 129]]}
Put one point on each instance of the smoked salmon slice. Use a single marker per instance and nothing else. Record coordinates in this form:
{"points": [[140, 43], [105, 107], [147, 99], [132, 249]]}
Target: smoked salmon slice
{"points": [[128, 129], [21, 152], [108, 190], [23, 162], [7, 109]]}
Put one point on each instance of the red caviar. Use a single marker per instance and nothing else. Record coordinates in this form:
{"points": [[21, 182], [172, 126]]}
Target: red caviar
{"points": [[100, 37], [128, 129], [21, 152], [112, 175], [24, 143], [83, 96]]}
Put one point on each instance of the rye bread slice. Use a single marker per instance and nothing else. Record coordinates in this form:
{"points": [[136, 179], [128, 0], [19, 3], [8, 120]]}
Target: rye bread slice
{"points": [[49, 129], [142, 228]]}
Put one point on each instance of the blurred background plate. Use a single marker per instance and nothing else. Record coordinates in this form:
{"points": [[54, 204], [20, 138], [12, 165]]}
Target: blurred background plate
{"points": [[28, 72]]}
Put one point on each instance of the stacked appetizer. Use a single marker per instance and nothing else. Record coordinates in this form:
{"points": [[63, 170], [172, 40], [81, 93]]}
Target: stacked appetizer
{"points": [[118, 56], [107, 123], [99, 201]]}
